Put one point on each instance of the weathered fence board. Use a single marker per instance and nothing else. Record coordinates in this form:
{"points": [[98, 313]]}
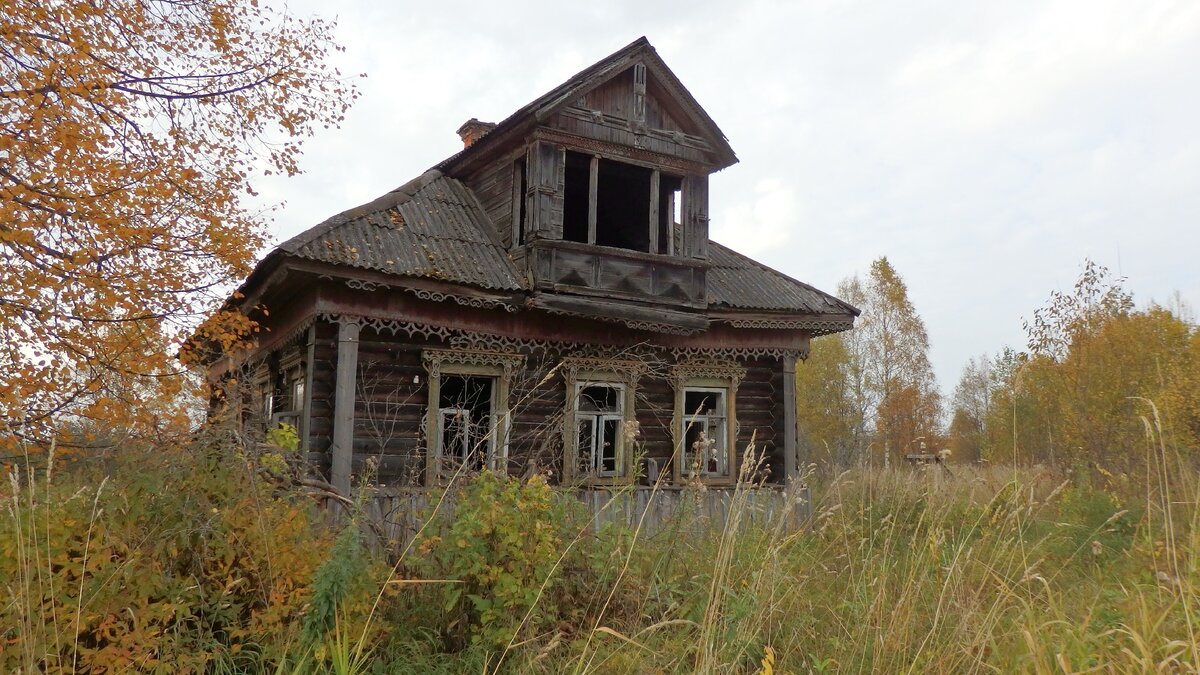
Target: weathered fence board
{"points": [[398, 514]]}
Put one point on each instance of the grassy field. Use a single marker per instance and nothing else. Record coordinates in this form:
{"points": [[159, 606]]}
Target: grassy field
{"points": [[189, 560]]}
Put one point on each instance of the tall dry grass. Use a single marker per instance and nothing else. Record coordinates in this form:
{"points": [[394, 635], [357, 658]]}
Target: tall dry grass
{"points": [[901, 570]]}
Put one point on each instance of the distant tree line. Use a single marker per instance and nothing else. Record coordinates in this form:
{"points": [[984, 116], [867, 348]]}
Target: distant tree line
{"points": [[1099, 379]]}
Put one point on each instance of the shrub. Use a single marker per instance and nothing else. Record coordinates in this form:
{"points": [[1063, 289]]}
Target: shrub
{"points": [[178, 558], [501, 552]]}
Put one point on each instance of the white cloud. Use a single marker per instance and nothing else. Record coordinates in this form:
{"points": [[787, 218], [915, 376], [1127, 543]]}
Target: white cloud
{"points": [[762, 224]]}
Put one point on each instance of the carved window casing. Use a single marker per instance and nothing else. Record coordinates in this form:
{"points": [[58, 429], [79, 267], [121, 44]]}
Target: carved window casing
{"points": [[293, 383], [710, 427], [262, 389], [600, 412], [500, 368]]}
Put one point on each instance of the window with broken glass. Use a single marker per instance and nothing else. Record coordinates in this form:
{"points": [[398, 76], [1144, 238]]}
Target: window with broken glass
{"points": [[705, 451], [620, 205], [599, 417], [466, 422]]}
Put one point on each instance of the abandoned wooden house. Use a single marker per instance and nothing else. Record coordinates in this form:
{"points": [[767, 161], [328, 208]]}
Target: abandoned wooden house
{"points": [[547, 299]]}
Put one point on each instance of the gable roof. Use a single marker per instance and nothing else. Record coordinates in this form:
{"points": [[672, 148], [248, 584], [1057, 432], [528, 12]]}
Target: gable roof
{"points": [[585, 80], [432, 227]]}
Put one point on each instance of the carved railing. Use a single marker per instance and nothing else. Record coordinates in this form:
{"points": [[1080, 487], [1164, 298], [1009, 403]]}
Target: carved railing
{"points": [[616, 273]]}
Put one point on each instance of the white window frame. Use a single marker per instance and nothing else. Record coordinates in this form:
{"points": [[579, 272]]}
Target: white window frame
{"points": [[594, 371], [690, 418], [723, 376], [598, 420]]}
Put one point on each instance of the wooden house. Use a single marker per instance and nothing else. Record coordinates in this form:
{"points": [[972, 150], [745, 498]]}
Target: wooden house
{"points": [[548, 299]]}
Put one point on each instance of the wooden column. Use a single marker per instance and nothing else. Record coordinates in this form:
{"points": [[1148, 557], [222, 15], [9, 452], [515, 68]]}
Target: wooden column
{"points": [[593, 188], [654, 178], [306, 406], [342, 450], [791, 459]]}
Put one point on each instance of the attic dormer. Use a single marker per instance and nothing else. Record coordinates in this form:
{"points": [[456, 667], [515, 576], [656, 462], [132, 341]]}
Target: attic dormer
{"points": [[605, 179]]}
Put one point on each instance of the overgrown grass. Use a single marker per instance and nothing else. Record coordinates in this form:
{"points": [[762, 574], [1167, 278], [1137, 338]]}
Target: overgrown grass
{"points": [[898, 571]]}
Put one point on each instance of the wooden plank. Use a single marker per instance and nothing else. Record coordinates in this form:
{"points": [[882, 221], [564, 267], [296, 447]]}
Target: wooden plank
{"points": [[593, 188], [306, 412], [791, 462], [638, 118], [654, 215], [695, 225], [343, 406]]}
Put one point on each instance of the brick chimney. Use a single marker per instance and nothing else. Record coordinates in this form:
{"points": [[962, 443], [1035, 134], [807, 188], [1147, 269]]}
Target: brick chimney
{"points": [[473, 130]]}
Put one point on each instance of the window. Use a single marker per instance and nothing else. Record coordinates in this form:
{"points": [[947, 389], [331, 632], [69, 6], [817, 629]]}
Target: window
{"points": [[296, 391], [705, 426], [577, 188], [598, 427], [267, 395], [467, 419], [670, 204], [466, 424], [623, 206], [600, 395], [520, 186], [617, 204], [705, 449]]}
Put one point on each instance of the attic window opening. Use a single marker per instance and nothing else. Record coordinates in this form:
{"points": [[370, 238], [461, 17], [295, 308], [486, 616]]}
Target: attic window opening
{"points": [[670, 206], [576, 197], [623, 206], [519, 198]]}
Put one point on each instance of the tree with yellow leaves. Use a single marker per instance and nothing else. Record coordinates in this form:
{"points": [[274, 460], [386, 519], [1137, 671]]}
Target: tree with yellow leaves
{"points": [[130, 132]]}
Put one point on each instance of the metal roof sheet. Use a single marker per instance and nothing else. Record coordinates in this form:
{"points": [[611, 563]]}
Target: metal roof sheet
{"points": [[431, 228], [737, 281]]}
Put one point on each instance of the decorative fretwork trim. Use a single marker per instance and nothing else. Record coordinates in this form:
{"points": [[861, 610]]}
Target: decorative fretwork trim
{"points": [[465, 300], [817, 326], [434, 359], [650, 326], [282, 341], [661, 328], [499, 343], [628, 371], [715, 370], [364, 285], [436, 296]]}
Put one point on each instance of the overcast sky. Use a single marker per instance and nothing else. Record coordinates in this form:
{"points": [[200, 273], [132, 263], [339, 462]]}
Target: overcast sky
{"points": [[985, 150]]}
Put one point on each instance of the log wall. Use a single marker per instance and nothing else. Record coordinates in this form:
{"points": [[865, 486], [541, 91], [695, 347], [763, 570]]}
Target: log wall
{"points": [[391, 400]]}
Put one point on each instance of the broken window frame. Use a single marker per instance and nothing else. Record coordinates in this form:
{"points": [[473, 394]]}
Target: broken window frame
{"points": [[467, 438], [714, 426], [662, 224], [722, 376], [598, 420], [499, 366], [598, 372]]}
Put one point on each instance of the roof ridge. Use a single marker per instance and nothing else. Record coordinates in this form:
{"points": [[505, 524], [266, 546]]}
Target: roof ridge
{"points": [[766, 268]]}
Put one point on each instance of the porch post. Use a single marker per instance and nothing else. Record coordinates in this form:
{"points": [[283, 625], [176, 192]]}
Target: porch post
{"points": [[790, 457], [342, 451]]}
